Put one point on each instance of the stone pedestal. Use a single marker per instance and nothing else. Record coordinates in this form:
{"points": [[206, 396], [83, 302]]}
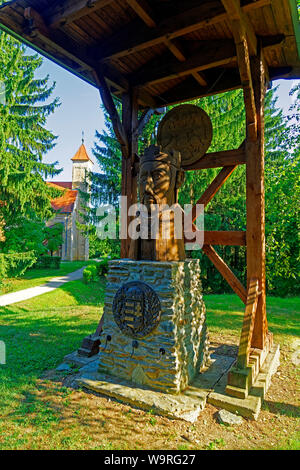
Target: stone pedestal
{"points": [[168, 358]]}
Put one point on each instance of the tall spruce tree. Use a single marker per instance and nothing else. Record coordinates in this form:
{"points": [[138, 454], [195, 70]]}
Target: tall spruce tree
{"points": [[24, 138]]}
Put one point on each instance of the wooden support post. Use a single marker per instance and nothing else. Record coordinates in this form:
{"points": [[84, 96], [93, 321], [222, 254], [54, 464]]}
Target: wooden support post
{"points": [[255, 203], [248, 324], [129, 179]]}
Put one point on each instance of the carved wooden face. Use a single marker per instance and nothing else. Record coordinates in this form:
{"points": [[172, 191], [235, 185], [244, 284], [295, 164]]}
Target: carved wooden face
{"points": [[157, 183]]}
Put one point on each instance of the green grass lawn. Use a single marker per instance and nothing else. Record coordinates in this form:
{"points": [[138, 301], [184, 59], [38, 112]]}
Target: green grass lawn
{"points": [[38, 333], [37, 277]]}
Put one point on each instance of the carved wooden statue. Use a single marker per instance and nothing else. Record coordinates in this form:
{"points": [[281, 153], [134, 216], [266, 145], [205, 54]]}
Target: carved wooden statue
{"points": [[160, 177]]}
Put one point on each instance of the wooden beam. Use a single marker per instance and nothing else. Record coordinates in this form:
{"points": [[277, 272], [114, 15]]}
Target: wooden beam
{"points": [[134, 38], [230, 238], [143, 10], [226, 158], [111, 109], [223, 238], [226, 272], [240, 23], [144, 119], [240, 30], [129, 177], [71, 10], [35, 27], [255, 205], [213, 188], [248, 324]]}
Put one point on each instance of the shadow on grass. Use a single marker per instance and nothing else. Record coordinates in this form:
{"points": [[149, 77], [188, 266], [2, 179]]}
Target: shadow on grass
{"points": [[284, 409], [225, 312]]}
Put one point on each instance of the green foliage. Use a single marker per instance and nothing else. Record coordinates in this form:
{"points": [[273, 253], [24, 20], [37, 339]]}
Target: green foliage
{"points": [[90, 273], [54, 237], [24, 235], [103, 248], [102, 267], [48, 262], [24, 138], [15, 264]]}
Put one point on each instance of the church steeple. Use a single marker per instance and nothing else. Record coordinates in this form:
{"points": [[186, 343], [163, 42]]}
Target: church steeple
{"points": [[82, 164]]}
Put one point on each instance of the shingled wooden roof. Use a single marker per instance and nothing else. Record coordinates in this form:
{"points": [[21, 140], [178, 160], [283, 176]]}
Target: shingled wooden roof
{"points": [[170, 50]]}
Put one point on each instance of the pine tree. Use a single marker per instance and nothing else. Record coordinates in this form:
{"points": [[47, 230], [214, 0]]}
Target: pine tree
{"points": [[24, 138]]}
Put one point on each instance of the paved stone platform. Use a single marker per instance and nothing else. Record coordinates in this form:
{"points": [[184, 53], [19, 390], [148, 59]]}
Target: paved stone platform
{"points": [[208, 387]]}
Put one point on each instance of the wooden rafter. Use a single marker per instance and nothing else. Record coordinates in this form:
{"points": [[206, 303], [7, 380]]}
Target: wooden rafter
{"points": [[248, 323], [226, 272], [125, 42], [72, 10], [35, 26], [210, 54], [143, 10]]}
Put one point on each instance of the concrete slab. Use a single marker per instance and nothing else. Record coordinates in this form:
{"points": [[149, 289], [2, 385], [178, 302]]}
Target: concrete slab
{"points": [[208, 387], [187, 405], [173, 406], [248, 407]]}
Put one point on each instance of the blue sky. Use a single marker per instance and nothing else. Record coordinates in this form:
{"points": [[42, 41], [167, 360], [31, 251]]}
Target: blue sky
{"points": [[80, 111]]}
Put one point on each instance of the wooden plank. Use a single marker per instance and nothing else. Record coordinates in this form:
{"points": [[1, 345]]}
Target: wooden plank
{"points": [[255, 204], [71, 10], [132, 38], [226, 272], [226, 158], [248, 324], [143, 10], [213, 188]]}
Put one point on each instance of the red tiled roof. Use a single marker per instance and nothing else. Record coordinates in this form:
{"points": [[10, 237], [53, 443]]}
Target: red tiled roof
{"points": [[81, 155], [65, 202], [63, 184]]}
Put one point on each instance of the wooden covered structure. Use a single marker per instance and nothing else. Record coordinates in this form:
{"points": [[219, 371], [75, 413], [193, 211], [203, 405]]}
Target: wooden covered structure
{"points": [[153, 53]]}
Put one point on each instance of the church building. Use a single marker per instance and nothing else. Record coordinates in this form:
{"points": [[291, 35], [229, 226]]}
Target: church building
{"points": [[69, 205]]}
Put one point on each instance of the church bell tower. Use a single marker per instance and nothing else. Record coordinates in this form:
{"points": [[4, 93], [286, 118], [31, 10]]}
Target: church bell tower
{"points": [[82, 165]]}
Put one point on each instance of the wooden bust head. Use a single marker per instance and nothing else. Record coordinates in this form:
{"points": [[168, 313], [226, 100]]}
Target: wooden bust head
{"points": [[160, 177]]}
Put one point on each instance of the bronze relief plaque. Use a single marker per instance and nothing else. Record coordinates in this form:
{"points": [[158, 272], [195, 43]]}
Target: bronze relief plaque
{"points": [[136, 309], [188, 129]]}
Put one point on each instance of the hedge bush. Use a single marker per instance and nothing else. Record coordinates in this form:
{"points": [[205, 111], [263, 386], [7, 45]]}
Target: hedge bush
{"points": [[90, 273], [48, 262]]}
